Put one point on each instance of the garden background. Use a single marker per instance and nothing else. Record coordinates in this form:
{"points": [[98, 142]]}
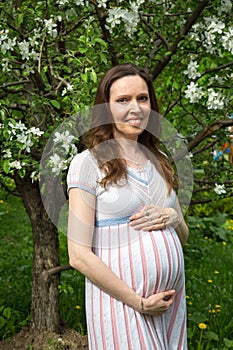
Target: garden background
{"points": [[53, 54]]}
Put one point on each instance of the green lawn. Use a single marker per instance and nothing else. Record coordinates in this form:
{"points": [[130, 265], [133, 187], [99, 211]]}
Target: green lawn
{"points": [[209, 278]]}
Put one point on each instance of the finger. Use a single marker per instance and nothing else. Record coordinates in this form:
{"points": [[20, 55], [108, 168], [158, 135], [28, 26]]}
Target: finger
{"points": [[154, 227], [138, 222], [169, 294], [139, 215]]}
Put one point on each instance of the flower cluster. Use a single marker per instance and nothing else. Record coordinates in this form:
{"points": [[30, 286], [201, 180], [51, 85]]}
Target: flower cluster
{"points": [[51, 27], [17, 142], [192, 70], [63, 151], [225, 7], [215, 100], [130, 18], [207, 33], [25, 137], [194, 92], [28, 48], [227, 40]]}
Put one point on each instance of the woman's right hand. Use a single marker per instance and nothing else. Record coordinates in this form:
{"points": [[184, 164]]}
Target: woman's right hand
{"points": [[157, 304]]}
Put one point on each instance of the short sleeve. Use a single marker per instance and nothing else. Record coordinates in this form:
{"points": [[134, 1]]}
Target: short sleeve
{"points": [[82, 173]]}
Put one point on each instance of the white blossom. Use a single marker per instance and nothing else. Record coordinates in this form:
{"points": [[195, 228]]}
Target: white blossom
{"points": [[17, 126], [5, 64], [62, 2], [8, 45], [215, 100], [226, 6], [73, 150], [26, 141], [64, 138], [216, 79], [193, 92], [57, 164], [192, 70], [216, 26], [28, 69], [114, 17], [24, 49], [129, 18], [34, 55], [102, 3], [7, 154], [140, 2], [80, 2], [16, 164], [69, 87], [51, 27], [33, 40], [34, 176], [35, 131], [4, 35], [219, 189], [227, 40]]}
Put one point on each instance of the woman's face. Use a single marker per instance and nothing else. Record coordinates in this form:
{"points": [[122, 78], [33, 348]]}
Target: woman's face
{"points": [[130, 106]]}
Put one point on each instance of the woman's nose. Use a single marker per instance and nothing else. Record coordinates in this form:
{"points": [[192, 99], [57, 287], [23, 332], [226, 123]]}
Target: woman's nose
{"points": [[135, 107]]}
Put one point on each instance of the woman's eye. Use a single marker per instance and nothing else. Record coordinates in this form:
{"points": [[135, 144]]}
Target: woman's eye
{"points": [[143, 98], [122, 100]]}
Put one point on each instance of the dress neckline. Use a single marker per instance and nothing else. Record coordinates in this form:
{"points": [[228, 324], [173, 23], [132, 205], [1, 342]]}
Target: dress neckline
{"points": [[143, 168]]}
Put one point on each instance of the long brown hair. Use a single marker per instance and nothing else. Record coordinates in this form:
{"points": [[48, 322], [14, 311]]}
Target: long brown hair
{"points": [[100, 139]]}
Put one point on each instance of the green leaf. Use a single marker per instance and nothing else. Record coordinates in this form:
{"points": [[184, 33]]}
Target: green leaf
{"points": [[212, 335], [84, 77], [7, 313], [19, 19], [100, 41], [82, 49], [93, 76], [21, 173], [55, 103], [6, 166], [2, 322], [228, 343]]}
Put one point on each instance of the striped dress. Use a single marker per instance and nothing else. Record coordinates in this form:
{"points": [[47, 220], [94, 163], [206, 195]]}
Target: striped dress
{"points": [[148, 262]]}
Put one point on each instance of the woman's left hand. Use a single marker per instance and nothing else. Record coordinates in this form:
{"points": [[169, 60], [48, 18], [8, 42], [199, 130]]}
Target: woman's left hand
{"points": [[153, 217]]}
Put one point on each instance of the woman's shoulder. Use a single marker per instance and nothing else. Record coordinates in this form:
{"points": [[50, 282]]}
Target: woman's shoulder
{"points": [[83, 157]]}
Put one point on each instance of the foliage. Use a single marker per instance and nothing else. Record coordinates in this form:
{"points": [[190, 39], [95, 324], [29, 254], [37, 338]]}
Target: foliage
{"points": [[208, 279], [53, 54], [208, 285], [16, 268]]}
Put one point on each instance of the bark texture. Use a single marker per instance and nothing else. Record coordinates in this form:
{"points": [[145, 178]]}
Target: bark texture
{"points": [[45, 293]]}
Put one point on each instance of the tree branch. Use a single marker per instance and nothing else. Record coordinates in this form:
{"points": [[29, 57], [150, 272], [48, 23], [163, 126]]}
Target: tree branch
{"points": [[188, 25], [158, 34], [209, 130], [58, 269], [6, 85], [206, 147], [106, 35], [216, 69]]}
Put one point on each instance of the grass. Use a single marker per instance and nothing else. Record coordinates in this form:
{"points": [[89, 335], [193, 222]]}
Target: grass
{"points": [[209, 278]]}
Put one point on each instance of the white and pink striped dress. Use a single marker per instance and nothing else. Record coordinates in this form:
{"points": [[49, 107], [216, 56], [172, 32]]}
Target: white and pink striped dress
{"points": [[149, 262]]}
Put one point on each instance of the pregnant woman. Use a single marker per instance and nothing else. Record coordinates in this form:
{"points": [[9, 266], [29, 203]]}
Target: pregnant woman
{"points": [[125, 229]]}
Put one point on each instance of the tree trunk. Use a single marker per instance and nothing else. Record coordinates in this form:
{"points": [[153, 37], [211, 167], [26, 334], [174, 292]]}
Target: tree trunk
{"points": [[45, 293]]}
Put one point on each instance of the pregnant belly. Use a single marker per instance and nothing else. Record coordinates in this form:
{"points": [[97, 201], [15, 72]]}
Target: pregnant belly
{"points": [[149, 262]]}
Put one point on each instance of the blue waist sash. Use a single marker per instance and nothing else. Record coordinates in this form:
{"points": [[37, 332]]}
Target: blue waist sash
{"points": [[112, 221]]}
